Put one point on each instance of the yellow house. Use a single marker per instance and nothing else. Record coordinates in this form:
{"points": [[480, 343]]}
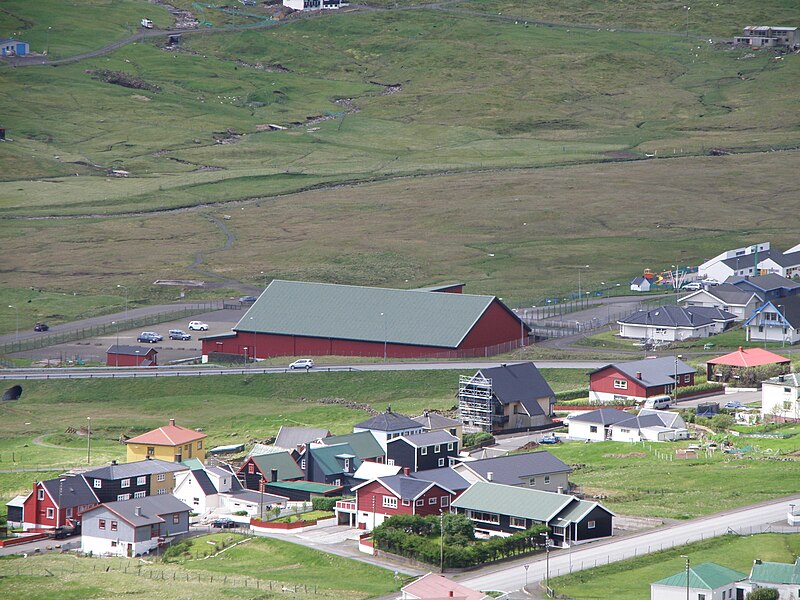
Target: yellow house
{"points": [[171, 443]]}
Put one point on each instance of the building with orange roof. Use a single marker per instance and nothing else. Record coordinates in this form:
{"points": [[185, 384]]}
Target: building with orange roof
{"points": [[172, 443], [438, 587], [729, 366]]}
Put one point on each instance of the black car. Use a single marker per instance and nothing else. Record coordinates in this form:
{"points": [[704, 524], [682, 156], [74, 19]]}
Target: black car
{"points": [[247, 299], [223, 523], [41, 326], [66, 531]]}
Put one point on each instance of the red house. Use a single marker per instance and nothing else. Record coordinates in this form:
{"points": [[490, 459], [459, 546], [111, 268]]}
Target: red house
{"points": [[385, 497], [640, 379], [131, 356], [55, 502], [293, 318]]}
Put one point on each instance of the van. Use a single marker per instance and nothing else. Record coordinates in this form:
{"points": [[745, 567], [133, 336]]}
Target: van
{"points": [[658, 402]]}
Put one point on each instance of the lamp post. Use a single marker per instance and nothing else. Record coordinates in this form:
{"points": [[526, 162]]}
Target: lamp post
{"points": [[441, 540], [791, 514], [384, 337], [16, 310], [580, 294], [47, 51], [783, 323], [677, 358], [126, 298], [58, 508], [687, 574], [88, 439], [688, 8], [261, 497], [264, 275], [116, 353], [546, 562], [245, 357]]}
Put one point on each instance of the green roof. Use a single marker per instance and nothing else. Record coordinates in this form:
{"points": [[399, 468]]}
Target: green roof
{"points": [[193, 463], [771, 572], [304, 486], [282, 461], [514, 501], [364, 313], [363, 443], [325, 457], [708, 576]]}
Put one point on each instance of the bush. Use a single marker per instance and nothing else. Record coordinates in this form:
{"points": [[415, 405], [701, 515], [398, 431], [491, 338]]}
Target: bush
{"points": [[473, 439], [321, 503], [240, 513], [699, 387], [572, 394], [764, 594], [176, 551]]}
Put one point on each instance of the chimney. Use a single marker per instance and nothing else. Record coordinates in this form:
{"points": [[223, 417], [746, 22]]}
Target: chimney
{"points": [[560, 489], [450, 594], [757, 561], [781, 378], [273, 475], [138, 511], [114, 462], [490, 476], [740, 348], [172, 422], [406, 471], [638, 374]]}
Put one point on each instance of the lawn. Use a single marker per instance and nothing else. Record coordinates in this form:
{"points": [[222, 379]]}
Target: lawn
{"points": [[631, 579], [306, 516]]}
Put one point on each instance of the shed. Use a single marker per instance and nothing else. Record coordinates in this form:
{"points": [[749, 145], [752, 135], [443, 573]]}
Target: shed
{"points": [[12, 47], [131, 356], [741, 359]]}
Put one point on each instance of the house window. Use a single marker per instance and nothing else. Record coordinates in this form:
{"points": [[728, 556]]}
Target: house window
{"points": [[547, 478], [346, 465], [389, 502], [517, 522], [406, 502], [337, 482], [620, 384], [125, 483], [701, 597], [176, 519], [420, 502], [141, 480], [113, 543], [251, 469], [450, 447], [123, 497], [433, 500], [592, 428], [151, 451], [161, 491], [390, 462], [303, 464], [141, 494], [590, 525], [98, 483], [196, 501], [101, 524], [687, 378], [162, 477], [444, 501], [661, 330], [532, 481], [423, 450], [114, 525], [200, 445], [483, 517], [69, 513], [50, 513], [437, 448], [40, 495], [441, 462]]}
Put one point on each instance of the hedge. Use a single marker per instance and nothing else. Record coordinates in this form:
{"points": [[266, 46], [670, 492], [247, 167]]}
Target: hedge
{"points": [[322, 503], [572, 394]]}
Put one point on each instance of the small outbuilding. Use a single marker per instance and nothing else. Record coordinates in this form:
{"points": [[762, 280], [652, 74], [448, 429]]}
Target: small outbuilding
{"points": [[640, 284], [733, 365], [131, 356], [708, 580], [12, 47]]}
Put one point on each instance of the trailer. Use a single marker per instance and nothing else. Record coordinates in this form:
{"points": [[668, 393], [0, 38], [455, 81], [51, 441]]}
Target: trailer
{"points": [[147, 23]]}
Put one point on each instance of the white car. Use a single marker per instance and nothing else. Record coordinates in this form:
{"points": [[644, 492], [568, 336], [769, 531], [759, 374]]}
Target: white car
{"points": [[303, 363], [197, 326], [692, 286]]}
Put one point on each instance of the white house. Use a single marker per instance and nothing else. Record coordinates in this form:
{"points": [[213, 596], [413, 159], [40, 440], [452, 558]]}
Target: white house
{"points": [[708, 581], [780, 576], [776, 321], [674, 323], [640, 284], [780, 398], [389, 425], [739, 261], [740, 303], [595, 425], [313, 4], [650, 425]]}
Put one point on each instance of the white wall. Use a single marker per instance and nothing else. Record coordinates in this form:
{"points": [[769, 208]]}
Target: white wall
{"points": [[103, 546], [664, 592], [580, 430], [610, 396], [187, 489], [773, 397], [625, 434]]}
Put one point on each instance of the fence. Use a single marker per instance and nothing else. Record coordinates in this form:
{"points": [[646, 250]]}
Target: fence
{"points": [[74, 335]]}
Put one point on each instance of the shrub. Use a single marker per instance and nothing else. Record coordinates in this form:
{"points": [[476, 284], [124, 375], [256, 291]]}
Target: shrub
{"points": [[699, 387], [176, 551], [473, 439], [572, 394], [240, 513], [764, 594], [322, 503]]}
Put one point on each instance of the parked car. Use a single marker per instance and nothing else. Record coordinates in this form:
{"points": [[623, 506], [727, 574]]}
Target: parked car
{"points": [[151, 337], [41, 326], [733, 404], [223, 523], [247, 299], [66, 531], [197, 326], [303, 363], [179, 334], [658, 402], [549, 439], [692, 286]]}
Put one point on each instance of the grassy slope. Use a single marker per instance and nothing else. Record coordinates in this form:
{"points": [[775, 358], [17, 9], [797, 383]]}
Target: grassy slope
{"points": [[631, 579]]}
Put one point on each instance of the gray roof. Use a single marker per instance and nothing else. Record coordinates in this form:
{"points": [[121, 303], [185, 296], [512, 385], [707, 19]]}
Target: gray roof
{"points": [[151, 509], [521, 382], [363, 443], [407, 488], [130, 350], [765, 283], [602, 416], [71, 492], [727, 293], [654, 371], [388, 421], [575, 512], [363, 313], [432, 420], [677, 316], [444, 476], [514, 501], [291, 437], [641, 422], [283, 462], [788, 307], [790, 379], [256, 497], [135, 469], [789, 259], [748, 261], [670, 419], [205, 482], [638, 280], [511, 468], [429, 438]]}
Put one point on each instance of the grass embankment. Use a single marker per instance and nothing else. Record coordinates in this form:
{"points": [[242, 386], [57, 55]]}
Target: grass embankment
{"points": [[258, 568], [631, 579]]}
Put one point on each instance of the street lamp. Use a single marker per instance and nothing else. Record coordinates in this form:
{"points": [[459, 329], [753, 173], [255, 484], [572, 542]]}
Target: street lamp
{"points": [[58, 508], [677, 358], [384, 336], [16, 310], [783, 323], [88, 439], [687, 575], [546, 562], [580, 295], [688, 8], [126, 298], [116, 353], [48, 41], [264, 275], [245, 357]]}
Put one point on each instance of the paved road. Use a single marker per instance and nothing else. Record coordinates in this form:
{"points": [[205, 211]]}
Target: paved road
{"points": [[753, 519]]}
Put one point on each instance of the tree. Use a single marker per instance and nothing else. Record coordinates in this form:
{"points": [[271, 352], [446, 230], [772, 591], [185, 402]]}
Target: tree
{"points": [[763, 594]]}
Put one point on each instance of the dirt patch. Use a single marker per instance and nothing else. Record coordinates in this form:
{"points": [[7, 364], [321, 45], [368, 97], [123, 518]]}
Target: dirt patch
{"points": [[123, 79], [620, 154], [350, 404], [140, 97], [626, 455], [229, 136]]}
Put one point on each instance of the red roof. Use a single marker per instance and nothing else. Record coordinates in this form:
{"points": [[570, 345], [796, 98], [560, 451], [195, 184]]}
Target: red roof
{"points": [[436, 587], [749, 357], [171, 435]]}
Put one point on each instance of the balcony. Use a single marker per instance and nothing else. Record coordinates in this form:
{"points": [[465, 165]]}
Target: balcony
{"points": [[346, 506]]}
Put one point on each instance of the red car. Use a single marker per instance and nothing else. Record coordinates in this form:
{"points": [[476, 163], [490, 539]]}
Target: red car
{"points": [[41, 327]]}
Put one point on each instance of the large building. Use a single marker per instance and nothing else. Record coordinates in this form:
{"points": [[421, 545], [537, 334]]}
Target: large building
{"points": [[172, 442], [293, 318], [640, 379]]}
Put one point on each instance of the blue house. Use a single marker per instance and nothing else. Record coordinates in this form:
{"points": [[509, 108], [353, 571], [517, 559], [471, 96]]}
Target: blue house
{"points": [[11, 47]]}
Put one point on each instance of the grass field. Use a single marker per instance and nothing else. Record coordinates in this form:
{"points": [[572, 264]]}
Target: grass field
{"points": [[631, 579], [270, 564]]}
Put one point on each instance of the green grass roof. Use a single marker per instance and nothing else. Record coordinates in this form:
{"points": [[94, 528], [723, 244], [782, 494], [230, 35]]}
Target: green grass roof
{"points": [[708, 576], [364, 313], [514, 501]]}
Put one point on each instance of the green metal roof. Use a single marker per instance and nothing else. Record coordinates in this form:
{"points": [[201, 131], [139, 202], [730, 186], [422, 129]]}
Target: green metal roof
{"points": [[707, 576], [772, 572], [363, 443], [282, 461], [514, 501], [325, 457], [304, 486], [364, 313]]}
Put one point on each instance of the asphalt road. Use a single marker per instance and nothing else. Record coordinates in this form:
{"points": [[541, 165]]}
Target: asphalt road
{"points": [[744, 521]]}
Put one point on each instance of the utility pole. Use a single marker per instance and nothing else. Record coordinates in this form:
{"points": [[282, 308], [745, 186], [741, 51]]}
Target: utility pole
{"points": [[687, 575], [88, 439], [675, 391], [441, 541]]}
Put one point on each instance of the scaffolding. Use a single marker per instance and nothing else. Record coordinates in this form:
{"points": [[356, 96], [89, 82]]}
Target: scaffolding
{"points": [[475, 401]]}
